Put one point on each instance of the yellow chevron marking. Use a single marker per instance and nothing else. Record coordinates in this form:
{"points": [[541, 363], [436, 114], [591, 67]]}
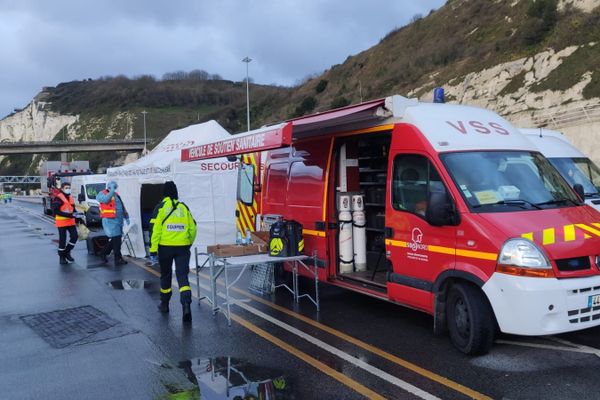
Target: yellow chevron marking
{"points": [[569, 233], [528, 235], [588, 229], [548, 236]]}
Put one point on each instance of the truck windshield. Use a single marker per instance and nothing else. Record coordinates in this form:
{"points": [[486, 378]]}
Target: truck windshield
{"points": [[496, 181], [580, 170], [92, 189]]}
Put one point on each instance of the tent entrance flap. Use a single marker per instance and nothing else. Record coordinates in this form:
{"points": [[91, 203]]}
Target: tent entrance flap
{"points": [[150, 196], [269, 138]]}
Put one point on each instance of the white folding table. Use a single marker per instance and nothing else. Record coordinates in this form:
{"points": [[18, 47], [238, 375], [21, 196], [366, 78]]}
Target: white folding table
{"points": [[222, 265]]}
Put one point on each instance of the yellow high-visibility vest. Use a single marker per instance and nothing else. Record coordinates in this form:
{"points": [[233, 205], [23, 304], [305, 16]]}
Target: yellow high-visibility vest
{"points": [[173, 225]]}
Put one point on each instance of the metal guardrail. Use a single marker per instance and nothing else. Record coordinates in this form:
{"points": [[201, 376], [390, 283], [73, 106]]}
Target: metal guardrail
{"points": [[20, 179], [560, 119]]}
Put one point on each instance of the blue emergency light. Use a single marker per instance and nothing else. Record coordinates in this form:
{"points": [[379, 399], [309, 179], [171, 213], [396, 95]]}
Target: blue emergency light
{"points": [[438, 95]]}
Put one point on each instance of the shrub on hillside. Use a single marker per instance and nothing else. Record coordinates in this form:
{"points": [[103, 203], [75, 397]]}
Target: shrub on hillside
{"points": [[339, 102], [308, 104], [542, 15], [321, 86]]}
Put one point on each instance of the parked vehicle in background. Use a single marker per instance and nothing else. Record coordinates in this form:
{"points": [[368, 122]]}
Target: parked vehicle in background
{"points": [[447, 209], [84, 189], [572, 164], [53, 173]]}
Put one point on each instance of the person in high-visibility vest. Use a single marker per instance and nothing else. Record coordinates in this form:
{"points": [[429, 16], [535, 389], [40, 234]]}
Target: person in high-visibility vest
{"points": [[173, 233], [113, 214], [63, 207]]}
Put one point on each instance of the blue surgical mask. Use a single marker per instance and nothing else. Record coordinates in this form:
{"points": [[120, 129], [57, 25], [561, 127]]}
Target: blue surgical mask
{"points": [[67, 191]]}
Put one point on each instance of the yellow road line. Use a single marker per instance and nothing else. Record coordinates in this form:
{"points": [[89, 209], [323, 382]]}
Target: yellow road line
{"points": [[375, 350], [338, 376]]}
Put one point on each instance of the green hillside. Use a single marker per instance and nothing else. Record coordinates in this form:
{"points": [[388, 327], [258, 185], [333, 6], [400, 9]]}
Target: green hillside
{"points": [[461, 37], [112, 108]]}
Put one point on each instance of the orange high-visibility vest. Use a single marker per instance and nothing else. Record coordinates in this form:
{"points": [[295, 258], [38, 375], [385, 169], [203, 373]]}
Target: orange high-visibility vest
{"points": [[68, 206], [108, 210]]}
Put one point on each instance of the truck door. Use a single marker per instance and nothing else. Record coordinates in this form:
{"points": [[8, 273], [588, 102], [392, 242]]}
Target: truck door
{"points": [[417, 250]]}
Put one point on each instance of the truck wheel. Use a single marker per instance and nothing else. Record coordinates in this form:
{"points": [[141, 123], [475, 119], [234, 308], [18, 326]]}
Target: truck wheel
{"points": [[470, 319]]}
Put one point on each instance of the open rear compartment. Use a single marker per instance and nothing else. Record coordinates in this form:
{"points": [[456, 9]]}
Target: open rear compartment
{"points": [[361, 177]]}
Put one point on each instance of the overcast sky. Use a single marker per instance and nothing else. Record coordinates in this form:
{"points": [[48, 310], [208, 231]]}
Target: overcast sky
{"points": [[45, 42]]}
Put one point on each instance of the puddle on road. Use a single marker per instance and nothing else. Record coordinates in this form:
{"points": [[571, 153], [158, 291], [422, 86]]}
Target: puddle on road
{"points": [[231, 378], [129, 284]]}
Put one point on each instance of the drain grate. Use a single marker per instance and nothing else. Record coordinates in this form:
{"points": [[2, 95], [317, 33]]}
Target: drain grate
{"points": [[62, 328]]}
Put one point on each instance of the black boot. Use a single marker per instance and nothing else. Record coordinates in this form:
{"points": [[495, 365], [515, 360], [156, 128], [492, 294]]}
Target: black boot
{"points": [[163, 307], [61, 258], [68, 256], [187, 313]]}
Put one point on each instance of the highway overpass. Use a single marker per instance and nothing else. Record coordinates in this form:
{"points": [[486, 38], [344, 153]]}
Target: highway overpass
{"points": [[70, 146]]}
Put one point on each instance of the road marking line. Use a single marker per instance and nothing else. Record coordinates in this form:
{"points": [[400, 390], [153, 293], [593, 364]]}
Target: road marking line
{"points": [[577, 349], [592, 350], [357, 342], [349, 382], [375, 350], [378, 373], [368, 393]]}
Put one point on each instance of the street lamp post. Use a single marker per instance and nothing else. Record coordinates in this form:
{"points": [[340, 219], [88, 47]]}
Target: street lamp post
{"points": [[145, 148], [247, 61]]}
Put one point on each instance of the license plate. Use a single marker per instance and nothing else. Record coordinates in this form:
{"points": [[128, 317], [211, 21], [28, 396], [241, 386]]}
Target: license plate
{"points": [[594, 301]]}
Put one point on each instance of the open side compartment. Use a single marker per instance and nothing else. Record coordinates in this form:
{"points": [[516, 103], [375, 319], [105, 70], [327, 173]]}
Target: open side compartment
{"points": [[360, 185]]}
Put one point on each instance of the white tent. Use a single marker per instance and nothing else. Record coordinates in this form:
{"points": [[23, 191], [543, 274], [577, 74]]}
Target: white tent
{"points": [[208, 187]]}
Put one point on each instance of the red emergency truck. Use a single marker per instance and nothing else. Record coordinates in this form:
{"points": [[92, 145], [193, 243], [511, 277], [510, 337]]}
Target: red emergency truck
{"points": [[447, 209]]}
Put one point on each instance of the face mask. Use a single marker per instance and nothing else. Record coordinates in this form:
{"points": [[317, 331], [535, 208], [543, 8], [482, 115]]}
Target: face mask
{"points": [[67, 191]]}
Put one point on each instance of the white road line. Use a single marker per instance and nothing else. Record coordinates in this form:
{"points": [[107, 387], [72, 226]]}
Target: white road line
{"points": [[33, 214], [591, 350], [577, 349], [333, 350]]}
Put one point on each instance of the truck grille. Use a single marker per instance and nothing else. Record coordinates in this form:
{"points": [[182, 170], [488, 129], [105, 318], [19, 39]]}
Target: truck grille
{"points": [[587, 314]]}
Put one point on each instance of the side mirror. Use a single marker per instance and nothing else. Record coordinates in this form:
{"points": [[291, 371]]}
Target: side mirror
{"points": [[246, 187], [81, 197], [440, 210], [578, 187]]}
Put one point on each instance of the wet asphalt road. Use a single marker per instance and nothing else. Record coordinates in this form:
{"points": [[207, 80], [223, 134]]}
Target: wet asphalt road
{"points": [[355, 347]]}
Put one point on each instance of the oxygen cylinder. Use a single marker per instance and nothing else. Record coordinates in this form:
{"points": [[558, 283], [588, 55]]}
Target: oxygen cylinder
{"points": [[345, 234], [359, 233]]}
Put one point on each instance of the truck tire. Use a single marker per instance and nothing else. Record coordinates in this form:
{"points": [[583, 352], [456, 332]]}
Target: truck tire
{"points": [[471, 320]]}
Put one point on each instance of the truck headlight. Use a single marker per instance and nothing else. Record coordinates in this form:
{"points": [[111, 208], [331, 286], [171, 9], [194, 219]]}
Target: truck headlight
{"points": [[522, 257]]}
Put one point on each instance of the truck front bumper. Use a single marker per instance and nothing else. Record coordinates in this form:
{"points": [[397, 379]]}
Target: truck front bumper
{"points": [[543, 306]]}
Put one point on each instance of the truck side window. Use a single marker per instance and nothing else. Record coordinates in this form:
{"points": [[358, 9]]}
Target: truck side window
{"points": [[414, 178]]}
